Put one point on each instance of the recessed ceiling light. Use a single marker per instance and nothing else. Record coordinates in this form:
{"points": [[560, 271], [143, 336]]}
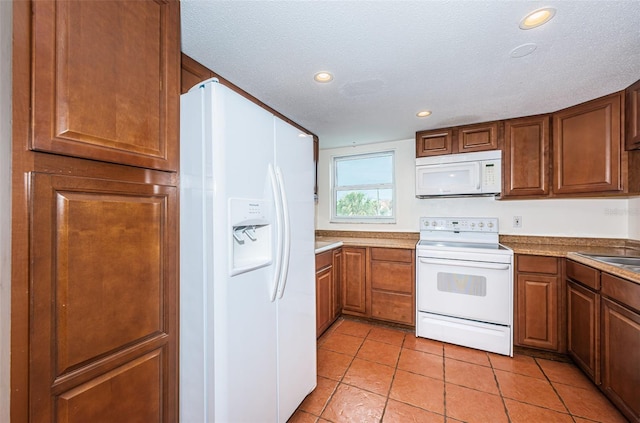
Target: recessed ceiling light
{"points": [[537, 17], [323, 76], [423, 113]]}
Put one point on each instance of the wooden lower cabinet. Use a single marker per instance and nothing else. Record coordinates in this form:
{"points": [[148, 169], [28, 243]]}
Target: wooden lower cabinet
{"points": [[337, 281], [326, 290], [354, 284], [583, 331], [379, 283], [538, 308], [393, 285], [620, 362]]}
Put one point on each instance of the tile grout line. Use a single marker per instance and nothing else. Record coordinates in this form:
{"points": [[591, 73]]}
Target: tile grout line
{"points": [[495, 377], [554, 389]]}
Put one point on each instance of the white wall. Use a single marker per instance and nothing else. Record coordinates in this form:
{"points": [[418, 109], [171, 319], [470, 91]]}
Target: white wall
{"points": [[634, 218], [609, 218], [5, 206]]}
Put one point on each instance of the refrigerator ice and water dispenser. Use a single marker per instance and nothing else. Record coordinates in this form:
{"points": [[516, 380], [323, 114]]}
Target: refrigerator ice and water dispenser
{"points": [[250, 235]]}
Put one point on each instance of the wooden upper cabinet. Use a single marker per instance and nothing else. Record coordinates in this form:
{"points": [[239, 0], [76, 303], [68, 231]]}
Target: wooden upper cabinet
{"points": [[633, 116], [463, 139], [480, 137], [192, 72], [434, 143], [587, 147], [106, 81], [526, 157]]}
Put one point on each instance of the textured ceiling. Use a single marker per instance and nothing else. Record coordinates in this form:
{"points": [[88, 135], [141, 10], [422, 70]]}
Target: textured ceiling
{"points": [[391, 59]]}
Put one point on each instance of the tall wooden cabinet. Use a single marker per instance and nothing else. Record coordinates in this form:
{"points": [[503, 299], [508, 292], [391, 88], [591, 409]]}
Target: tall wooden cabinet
{"points": [[95, 211]]}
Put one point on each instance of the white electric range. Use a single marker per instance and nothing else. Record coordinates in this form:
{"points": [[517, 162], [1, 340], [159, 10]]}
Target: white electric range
{"points": [[464, 278]]}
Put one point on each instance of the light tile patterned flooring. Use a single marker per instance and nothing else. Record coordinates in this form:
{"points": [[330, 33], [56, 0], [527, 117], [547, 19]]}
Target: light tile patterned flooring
{"points": [[374, 373]]}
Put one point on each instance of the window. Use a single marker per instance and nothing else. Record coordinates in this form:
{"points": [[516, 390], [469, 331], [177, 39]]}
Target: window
{"points": [[363, 188]]}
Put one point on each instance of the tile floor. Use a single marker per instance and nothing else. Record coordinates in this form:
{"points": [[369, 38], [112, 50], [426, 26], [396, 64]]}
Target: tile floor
{"points": [[373, 373]]}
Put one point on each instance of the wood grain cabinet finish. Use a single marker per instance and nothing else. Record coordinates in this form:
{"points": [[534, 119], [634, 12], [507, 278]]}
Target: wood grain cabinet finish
{"points": [[393, 285], [354, 281], [103, 316], [434, 143], [337, 282], [463, 139], [620, 340], [587, 147], [583, 318], [632, 120], [478, 137], [105, 81], [620, 363], [192, 72], [526, 157], [324, 293], [538, 307]]}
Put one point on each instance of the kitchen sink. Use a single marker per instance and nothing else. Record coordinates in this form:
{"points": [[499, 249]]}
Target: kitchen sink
{"points": [[625, 262]]}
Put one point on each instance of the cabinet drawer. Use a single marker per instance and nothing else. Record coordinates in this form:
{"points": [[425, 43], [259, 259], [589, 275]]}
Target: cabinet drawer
{"points": [[392, 254], [584, 274], [537, 264], [392, 307], [396, 277], [324, 259], [621, 290]]}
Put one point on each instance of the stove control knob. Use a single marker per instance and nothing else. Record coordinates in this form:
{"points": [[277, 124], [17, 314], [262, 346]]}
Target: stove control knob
{"points": [[490, 225], [473, 225], [433, 223], [481, 224], [426, 223]]}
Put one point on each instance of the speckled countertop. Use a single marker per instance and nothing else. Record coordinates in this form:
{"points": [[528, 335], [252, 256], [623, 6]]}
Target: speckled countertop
{"points": [[567, 247], [369, 239]]}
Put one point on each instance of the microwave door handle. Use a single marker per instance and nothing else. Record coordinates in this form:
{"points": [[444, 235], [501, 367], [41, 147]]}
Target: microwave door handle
{"points": [[474, 264]]}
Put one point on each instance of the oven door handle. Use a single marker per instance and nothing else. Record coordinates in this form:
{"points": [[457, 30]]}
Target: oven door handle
{"points": [[474, 264]]}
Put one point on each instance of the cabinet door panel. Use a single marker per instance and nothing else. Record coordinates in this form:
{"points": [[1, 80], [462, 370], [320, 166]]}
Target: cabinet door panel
{"points": [[434, 143], [337, 282], [587, 147], [354, 278], [392, 307], [537, 311], [526, 156], [583, 329], [620, 364], [115, 397], [106, 81], [324, 305], [480, 137], [391, 276], [104, 289]]}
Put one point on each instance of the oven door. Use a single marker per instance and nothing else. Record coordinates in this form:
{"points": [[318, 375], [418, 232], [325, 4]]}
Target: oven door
{"points": [[481, 291]]}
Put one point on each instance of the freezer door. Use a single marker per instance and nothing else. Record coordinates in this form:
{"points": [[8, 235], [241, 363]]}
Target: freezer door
{"points": [[296, 302]]}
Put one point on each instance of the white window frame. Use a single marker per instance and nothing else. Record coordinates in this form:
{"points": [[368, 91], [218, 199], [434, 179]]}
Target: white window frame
{"points": [[335, 189]]}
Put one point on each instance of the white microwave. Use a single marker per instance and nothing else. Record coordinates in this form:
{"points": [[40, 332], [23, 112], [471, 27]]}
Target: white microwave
{"points": [[461, 174]]}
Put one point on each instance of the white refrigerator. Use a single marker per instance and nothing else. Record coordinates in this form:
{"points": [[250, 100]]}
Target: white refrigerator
{"points": [[247, 281]]}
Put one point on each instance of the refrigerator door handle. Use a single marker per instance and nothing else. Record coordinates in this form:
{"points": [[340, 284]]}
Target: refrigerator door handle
{"points": [[277, 267], [286, 250]]}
